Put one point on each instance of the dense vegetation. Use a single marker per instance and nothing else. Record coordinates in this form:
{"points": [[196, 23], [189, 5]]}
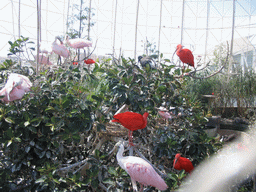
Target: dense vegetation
{"points": [[58, 137]]}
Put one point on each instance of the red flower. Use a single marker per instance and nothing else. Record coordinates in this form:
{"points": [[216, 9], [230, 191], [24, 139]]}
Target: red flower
{"points": [[89, 61]]}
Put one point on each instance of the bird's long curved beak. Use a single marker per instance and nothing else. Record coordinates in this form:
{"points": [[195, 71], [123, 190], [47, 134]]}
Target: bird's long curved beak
{"points": [[175, 161], [174, 53], [57, 37]]}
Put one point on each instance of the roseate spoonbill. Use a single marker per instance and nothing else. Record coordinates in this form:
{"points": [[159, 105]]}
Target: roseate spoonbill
{"points": [[60, 49], [16, 86], [43, 59], [185, 55], [78, 43], [144, 61], [139, 170], [180, 163], [132, 121]]}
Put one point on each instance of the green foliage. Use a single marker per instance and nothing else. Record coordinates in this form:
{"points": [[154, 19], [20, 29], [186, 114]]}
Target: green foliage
{"points": [[55, 138], [78, 20], [21, 46]]}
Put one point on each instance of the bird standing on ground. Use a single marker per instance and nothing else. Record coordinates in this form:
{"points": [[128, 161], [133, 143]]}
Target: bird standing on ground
{"points": [[185, 55], [60, 49], [180, 163], [132, 121], [16, 86], [140, 170]]}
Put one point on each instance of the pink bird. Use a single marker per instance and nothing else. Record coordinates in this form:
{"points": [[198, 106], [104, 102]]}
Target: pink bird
{"points": [[43, 59], [140, 170], [60, 49], [15, 88], [164, 114], [78, 43]]}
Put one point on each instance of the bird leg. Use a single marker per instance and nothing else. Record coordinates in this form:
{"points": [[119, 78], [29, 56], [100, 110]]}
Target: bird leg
{"points": [[134, 186], [130, 138], [141, 187], [59, 60]]}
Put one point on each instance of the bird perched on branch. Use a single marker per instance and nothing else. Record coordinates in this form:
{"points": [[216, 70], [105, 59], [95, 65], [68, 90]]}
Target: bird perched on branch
{"points": [[180, 163], [15, 88], [132, 121], [185, 55], [140, 170], [146, 61]]}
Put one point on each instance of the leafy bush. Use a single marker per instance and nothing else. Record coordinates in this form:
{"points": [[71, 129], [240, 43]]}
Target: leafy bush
{"points": [[57, 137]]}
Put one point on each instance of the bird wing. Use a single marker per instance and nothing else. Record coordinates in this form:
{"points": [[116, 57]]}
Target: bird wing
{"points": [[130, 120], [187, 57], [16, 94], [184, 163], [141, 171]]}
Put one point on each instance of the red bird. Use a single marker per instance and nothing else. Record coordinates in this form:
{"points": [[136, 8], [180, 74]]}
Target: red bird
{"points": [[132, 121], [180, 163], [89, 61], [185, 55]]}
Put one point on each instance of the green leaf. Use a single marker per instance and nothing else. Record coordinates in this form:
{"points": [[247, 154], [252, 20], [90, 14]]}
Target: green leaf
{"points": [[109, 181], [9, 143], [17, 139], [9, 133], [27, 149], [97, 153], [41, 180], [66, 104], [48, 154], [26, 123], [50, 108], [9, 120], [112, 171], [95, 183]]}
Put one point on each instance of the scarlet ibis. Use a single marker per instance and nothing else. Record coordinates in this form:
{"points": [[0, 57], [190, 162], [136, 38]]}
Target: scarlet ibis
{"points": [[185, 55], [60, 49], [139, 170], [89, 61], [180, 163], [132, 121], [16, 86]]}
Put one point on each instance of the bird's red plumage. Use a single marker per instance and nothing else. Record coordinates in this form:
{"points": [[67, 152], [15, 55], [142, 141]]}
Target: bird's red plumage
{"points": [[131, 120], [180, 163], [185, 55]]}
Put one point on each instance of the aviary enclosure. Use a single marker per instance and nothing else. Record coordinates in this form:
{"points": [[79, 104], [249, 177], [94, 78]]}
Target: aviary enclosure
{"points": [[119, 57]]}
